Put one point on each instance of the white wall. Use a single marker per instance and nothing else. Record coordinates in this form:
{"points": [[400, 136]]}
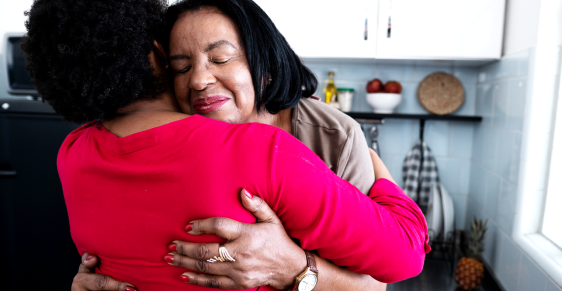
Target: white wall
{"points": [[12, 19], [521, 25]]}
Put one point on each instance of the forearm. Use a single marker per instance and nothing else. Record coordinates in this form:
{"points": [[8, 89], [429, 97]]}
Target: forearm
{"points": [[332, 277], [380, 169]]}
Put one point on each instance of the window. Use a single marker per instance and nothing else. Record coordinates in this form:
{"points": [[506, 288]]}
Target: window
{"points": [[552, 211]]}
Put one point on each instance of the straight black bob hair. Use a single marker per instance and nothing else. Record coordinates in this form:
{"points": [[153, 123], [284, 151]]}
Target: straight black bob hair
{"points": [[268, 53]]}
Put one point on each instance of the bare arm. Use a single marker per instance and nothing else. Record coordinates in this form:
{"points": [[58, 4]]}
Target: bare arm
{"points": [[380, 169]]}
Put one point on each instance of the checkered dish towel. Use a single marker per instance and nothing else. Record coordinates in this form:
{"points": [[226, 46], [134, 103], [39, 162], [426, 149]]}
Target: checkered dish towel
{"points": [[413, 175]]}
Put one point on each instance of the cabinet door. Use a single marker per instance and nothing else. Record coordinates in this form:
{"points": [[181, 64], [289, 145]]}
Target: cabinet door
{"points": [[440, 29], [326, 28], [34, 224]]}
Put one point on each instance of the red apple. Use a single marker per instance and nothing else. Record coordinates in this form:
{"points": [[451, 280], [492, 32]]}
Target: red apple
{"points": [[375, 86], [393, 87]]}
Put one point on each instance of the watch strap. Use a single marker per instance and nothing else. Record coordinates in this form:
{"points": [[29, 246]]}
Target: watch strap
{"points": [[310, 261]]}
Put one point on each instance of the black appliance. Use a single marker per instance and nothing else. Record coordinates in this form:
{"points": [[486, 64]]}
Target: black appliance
{"points": [[36, 250]]}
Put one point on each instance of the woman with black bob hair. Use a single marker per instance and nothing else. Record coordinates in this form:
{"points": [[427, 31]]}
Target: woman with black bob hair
{"points": [[279, 77]]}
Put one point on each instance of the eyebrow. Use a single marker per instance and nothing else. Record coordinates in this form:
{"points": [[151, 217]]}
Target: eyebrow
{"points": [[210, 47]]}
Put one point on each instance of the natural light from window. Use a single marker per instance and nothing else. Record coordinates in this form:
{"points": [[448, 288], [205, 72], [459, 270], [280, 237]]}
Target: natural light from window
{"points": [[552, 220]]}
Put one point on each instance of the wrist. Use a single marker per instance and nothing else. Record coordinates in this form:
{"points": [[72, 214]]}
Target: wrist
{"points": [[307, 279], [298, 265]]}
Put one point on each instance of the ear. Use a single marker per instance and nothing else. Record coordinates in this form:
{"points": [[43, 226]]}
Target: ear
{"points": [[160, 52]]}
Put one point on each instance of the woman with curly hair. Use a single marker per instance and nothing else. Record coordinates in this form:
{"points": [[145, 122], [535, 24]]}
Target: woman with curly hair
{"points": [[139, 170]]}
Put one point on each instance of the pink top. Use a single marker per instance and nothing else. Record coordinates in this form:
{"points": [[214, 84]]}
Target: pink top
{"points": [[128, 198]]}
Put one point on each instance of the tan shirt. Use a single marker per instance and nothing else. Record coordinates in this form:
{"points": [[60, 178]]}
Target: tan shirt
{"points": [[337, 139]]}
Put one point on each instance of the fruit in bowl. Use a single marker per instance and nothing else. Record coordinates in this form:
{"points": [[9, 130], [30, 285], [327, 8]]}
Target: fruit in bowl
{"points": [[392, 87], [383, 98], [375, 86]]}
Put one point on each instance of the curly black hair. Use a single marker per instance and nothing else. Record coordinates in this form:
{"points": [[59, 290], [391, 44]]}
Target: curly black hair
{"points": [[87, 58]]}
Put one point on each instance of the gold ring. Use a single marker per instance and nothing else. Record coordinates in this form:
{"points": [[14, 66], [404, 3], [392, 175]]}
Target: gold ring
{"points": [[224, 256]]}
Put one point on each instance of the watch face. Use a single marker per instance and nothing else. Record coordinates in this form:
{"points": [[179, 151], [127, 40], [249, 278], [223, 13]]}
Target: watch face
{"points": [[308, 283]]}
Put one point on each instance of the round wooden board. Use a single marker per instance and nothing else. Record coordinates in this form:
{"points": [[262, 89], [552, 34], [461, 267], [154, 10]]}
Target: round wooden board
{"points": [[441, 93]]}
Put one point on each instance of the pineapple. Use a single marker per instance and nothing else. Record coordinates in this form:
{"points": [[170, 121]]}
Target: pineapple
{"points": [[470, 270]]}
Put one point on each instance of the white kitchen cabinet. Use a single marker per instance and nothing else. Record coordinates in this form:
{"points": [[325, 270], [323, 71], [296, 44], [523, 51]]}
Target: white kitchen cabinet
{"points": [[440, 29], [326, 28]]}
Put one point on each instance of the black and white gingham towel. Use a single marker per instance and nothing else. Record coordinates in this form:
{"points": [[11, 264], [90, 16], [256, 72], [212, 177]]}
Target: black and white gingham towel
{"points": [[413, 175]]}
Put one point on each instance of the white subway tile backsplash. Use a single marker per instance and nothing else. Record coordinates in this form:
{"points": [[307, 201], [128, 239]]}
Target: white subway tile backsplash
{"points": [[492, 195], [507, 268], [500, 98], [515, 158], [500, 104], [436, 135], [395, 137], [506, 207], [410, 103], [485, 102], [462, 134], [469, 105], [530, 276], [464, 180], [488, 146], [477, 184], [551, 286], [491, 244], [517, 90], [449, 173], [402, 74], [504, 153], [467, 75], [424, 71], [357, 72], [459, 202]]}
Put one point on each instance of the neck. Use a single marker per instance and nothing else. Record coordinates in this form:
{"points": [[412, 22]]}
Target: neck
{"points": [[144, 114], [280, 120]]}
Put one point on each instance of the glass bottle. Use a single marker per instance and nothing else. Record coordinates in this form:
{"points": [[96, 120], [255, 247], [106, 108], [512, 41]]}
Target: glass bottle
{"points": [[330, 89]]}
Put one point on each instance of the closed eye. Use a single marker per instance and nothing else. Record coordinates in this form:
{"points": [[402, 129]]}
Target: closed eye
{"points": [[219, 61], [185, 70]]}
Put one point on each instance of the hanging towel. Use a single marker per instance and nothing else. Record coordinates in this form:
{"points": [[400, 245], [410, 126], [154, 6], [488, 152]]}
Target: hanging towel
{"points": [[413, 174]]}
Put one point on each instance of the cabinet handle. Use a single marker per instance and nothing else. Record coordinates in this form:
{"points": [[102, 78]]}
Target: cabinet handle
{"points": [[366, 29], [7, 174], [389, 31]]}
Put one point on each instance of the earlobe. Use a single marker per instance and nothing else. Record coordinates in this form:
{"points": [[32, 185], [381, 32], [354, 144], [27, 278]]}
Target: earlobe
{"points": [[160, 52]]}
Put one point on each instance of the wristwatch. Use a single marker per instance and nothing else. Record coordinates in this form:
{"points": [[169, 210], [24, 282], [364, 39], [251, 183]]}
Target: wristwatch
{"points": [[306, 281]]}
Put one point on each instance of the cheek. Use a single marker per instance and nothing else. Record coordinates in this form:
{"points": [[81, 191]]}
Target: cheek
{"points": [[181, 91], [244, 89]]}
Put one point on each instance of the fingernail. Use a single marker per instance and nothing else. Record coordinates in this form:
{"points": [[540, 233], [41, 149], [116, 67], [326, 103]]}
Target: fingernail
{"points": [[248, 194], [172, 247], [129, 288], [188, 227], [169, 259], [89, 257], [184, 278]]}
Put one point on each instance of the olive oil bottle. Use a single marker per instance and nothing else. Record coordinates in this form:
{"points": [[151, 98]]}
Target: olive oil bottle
{"points": [[330, 90]]}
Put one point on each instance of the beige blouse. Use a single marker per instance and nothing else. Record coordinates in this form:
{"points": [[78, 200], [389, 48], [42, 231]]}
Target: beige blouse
{"points": [[337, 139]]}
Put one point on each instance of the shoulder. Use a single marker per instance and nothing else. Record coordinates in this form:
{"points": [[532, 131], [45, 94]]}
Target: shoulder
{"points": [[323, 116], [79, 132]]}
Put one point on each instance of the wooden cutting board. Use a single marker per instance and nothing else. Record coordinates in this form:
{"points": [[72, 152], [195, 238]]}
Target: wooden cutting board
{"points": [[441, 93]]}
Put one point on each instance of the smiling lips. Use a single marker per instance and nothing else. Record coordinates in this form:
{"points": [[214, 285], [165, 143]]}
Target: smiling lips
{"points": [[209, 104]]}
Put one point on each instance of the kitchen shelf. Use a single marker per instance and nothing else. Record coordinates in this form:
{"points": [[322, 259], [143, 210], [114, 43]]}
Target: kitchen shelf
{"points": [[381, 116], [378, 118]]}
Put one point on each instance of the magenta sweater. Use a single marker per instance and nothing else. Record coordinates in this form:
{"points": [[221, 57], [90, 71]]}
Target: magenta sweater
{"points": [[128, 198]]}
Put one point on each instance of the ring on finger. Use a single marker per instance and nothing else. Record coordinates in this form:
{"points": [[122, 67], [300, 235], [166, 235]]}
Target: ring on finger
{"points": [[224, 256]]}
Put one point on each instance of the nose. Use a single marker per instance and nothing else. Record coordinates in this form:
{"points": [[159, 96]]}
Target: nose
{"points": [[201, 78]]}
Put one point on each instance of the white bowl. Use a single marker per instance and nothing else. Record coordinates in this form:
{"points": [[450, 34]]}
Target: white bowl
{"points": [[384, 102]]}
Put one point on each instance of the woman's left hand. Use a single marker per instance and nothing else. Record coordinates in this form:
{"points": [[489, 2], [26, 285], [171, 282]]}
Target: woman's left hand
{"points": [[264, 253]]}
